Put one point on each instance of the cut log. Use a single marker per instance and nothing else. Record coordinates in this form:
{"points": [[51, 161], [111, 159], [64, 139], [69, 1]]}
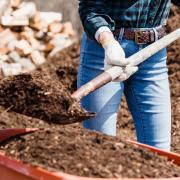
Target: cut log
{"points": [[55, 28], [3, 6], [68, 29], [4, 50], [1, 29], [28, 36], [6, 36], [23, 48], [12, 44], [39, 26], [28, 30], [8, 12], [50, 17], [14, 56], [36, 18], [14, 21], [27, 65], [15, 3], [35, 44], [3, 58], [11, 69], [40, 35], [60, 40], [46, 47], [37, 58], [26, 9], [60, 47]]}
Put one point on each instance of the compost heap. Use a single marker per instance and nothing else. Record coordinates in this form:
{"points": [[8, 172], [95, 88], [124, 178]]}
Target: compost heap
{"points": [[74, 150]]}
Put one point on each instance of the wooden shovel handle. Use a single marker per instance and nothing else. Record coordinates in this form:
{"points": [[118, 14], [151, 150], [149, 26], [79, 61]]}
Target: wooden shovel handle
{"points": [[134, 60], [91, 86]]}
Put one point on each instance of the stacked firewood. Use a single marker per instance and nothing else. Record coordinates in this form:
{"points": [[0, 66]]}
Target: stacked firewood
{"points": [[28, 37]]}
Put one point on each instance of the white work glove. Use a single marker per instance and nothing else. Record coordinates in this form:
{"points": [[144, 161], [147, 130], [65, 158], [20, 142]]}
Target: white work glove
{"points": [[127, 72], [114, 55]]}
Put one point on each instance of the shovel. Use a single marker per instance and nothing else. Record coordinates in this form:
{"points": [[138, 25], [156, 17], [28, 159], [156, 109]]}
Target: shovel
{"points": [[61, 117], [134, 60]]}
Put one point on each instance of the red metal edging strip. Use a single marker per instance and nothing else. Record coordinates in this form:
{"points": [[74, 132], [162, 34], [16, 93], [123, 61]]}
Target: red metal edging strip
{"points": [[12, 169], [175, 157], [5, 134], [31, 173]]}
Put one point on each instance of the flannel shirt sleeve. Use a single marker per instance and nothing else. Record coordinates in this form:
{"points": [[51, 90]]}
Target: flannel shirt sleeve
{"points": [[94, 15], [176, 2]]}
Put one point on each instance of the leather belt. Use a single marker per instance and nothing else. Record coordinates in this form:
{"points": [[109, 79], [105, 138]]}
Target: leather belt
{"points": [[142, 36]]}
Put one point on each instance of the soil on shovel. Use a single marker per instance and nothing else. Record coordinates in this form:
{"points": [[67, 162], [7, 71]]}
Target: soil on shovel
{"points": [[39, 96], [77, 151]]}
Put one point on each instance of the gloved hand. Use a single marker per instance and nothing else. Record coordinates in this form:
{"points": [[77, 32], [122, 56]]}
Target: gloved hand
{"points": [[127, 72], [115, 56]]}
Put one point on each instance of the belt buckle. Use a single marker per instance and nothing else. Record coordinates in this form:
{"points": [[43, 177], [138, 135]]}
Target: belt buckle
{"points": [[138, 35]]}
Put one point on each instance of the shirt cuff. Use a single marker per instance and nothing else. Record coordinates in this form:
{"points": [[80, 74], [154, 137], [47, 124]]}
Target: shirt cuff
{"points": [[100, 30]]}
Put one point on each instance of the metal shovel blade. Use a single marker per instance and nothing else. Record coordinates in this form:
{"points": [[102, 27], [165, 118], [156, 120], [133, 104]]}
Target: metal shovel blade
{"points": [[65, 119]]}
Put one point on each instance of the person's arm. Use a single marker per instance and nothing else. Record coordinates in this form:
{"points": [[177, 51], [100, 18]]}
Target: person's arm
{"points": [[176, 2], [99, 26], [95, 18]]}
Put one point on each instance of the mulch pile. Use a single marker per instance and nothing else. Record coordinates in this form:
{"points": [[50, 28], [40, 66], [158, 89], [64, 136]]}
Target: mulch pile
{"points": [[74, 150]]}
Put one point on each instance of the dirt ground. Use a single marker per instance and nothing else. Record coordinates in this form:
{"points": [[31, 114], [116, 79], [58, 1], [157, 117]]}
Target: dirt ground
{"points": [[75, 150]]}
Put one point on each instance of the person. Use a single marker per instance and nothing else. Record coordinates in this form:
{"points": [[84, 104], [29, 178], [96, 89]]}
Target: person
{"points": [[115, 30]]}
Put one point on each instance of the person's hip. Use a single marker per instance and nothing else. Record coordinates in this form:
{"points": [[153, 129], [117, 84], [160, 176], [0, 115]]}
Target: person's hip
{"points": [[141, 35]]}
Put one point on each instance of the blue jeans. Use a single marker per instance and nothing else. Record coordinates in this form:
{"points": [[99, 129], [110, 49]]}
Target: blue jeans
{"points": [[147, 94]]}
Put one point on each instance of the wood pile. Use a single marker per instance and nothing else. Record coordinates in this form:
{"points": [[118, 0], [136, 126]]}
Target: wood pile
{"points": [[28, 37]]}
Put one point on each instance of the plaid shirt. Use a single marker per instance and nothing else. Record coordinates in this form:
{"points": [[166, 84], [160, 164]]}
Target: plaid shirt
{"points": [[123, 13]]}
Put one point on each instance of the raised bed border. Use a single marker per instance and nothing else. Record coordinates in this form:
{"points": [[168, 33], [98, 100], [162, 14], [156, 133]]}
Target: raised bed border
{"points": [[12, 169]]}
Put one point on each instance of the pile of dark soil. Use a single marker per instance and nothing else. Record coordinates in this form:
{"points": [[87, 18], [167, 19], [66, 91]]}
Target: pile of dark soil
{"points": [[10, 119], [74, 150], [39, 96]]}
